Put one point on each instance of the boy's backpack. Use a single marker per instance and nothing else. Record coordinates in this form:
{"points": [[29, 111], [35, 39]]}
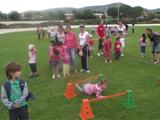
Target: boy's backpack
{"points": [[7, 88]]}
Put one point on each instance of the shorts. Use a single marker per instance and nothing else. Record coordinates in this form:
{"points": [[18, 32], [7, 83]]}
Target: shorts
{"points": [[100, 46], [33, 67], [55, 63], [143, 49], [155, 48]]}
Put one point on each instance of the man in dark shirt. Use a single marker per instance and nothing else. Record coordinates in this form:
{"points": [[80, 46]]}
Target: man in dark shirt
{"points": [[155, 40]]}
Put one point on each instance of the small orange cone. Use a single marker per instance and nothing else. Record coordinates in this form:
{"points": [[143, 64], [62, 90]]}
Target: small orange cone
{"points": [[69, 93], [86, 110]]}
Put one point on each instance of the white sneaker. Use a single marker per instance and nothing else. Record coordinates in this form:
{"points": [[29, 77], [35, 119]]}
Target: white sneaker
{"points": [[53, 76], [87, 71], [106, 61], [82, 70], [58, 76], [122, 55], [98, 54], [101, 53]]}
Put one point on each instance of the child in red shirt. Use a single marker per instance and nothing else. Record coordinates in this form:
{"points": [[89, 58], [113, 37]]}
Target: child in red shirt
{"points": [[107, 49], [117, 48]]}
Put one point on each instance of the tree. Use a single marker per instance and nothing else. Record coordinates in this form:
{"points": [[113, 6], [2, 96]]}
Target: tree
{"points": [[88, 14], [112, 12], [151, 15], [14, 15], [125, 11], [61, 15], [136, 12]]}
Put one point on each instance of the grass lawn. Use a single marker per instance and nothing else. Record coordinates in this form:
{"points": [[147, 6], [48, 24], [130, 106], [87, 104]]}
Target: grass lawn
{"points": [[131, 72]]}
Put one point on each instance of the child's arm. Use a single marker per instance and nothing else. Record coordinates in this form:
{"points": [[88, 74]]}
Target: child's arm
{"points": [[5, 99], [79, 88], [24, 95]]}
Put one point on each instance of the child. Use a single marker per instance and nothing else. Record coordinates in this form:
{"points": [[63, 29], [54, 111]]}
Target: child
{"points": [[90, 45], [143, 44], [122, 40], [117, 48], [93, 89], [65, 61], [32, 60], [14, 93], [107, 50], [55, 61]]}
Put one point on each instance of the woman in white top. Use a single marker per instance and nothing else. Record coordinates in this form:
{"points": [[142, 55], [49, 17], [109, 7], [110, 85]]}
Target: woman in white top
{"points": [[60, 34], [83, 43]]}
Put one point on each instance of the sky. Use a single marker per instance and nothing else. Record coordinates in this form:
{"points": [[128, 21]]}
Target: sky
{"points": [[7, 6]]}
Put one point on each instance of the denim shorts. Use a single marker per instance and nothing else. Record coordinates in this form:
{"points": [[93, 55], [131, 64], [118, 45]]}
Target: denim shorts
{"points": [[143, 49]]}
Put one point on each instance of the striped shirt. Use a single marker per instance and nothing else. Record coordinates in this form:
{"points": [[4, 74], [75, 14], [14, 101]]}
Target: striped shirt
{"points": [[91, 89]]}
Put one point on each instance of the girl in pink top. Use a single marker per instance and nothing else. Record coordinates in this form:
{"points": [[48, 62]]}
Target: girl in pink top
{"points": [[70, 40], [32, 60], [93, 89]]}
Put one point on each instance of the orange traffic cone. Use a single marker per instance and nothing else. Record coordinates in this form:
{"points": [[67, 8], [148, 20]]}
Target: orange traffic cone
{"points": [[86, 110], [69, 93]]}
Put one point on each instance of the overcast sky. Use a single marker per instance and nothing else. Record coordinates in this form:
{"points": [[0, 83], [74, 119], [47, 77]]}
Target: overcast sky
{"points": [[7, 6]]}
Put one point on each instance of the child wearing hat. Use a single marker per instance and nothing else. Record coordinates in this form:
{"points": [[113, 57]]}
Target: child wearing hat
{"points": [[32, 60]]}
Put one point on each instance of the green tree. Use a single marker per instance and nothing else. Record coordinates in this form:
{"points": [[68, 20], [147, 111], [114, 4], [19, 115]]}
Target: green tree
{"points": [[14, 15], [88, 14], [136, 12], [112, 12], [61, 15], [125, 11]]}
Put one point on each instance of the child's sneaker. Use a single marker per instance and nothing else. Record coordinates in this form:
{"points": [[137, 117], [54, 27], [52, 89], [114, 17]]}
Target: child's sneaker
{"points": [[98, 54], [31, 75], [122, 54], [58, 76], [87, 71], [81, 70], [54, 77], [106, 61], [110, 61]]}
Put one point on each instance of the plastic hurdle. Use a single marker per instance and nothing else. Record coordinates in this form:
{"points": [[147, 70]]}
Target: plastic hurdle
{"points": [[86, 110], [70, 92]]}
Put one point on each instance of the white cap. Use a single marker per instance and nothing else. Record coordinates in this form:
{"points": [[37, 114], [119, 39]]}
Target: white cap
{"points": [[31, 46]]}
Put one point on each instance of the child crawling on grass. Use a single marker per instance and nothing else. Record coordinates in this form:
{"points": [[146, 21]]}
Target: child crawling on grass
{"points": [[93, 89]]}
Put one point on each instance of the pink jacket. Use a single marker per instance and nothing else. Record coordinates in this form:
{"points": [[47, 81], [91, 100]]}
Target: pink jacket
{"points": [[70, 40]]}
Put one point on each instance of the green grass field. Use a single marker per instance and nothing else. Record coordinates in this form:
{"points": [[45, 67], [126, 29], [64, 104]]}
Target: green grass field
{"points": [[131, 72]]}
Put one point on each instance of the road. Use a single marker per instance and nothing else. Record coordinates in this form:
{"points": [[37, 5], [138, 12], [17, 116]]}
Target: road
{"points": [[4, 31]]}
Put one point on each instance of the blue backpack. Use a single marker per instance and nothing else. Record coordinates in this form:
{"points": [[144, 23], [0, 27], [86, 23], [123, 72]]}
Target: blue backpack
{"points": [[7, 88]]}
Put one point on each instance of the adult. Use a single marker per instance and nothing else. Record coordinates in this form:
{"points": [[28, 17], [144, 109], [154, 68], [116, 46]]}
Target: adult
{"points": [[83, 44], [70, 40], [155, 41], [121, 29], [38, 33], [60, 34], [101, 35], [133, 26]]}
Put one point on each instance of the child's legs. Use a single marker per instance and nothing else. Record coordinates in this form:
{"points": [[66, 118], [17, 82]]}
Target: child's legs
{"points": [[65, 69], [23, 115], [13, 114], [34, 67]]}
